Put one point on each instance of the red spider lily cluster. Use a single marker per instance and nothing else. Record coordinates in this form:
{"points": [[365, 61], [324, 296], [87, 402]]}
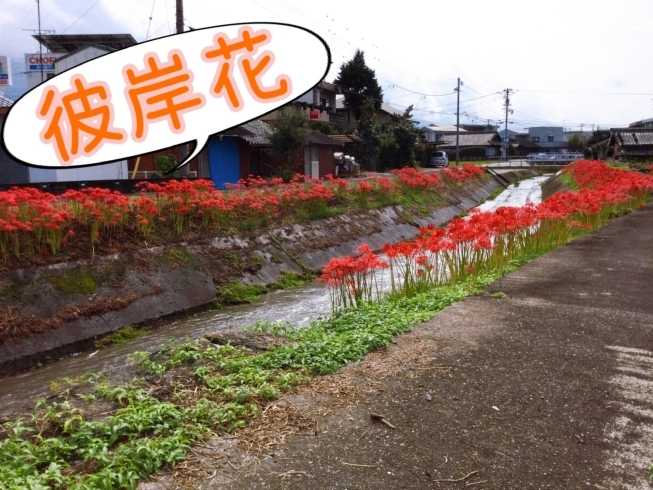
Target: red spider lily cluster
{"points": [[489, 240], [352, 280], [34, 221], [414, 179], [461, 174]]}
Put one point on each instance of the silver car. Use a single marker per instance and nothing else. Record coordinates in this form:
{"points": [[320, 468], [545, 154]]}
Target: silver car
{"points": [[439, 159]]}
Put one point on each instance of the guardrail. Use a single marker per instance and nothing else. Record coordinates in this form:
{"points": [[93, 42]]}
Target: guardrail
{"points": [[553, 158]]}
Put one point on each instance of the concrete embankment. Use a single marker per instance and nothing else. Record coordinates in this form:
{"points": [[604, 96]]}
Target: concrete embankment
{"points": [[60, 309]]}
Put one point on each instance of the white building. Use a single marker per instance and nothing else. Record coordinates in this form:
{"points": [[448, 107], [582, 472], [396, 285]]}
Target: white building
{"points": [[62, 52]]}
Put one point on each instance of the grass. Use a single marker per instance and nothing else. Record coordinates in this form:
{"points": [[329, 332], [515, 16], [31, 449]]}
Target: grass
{"points": [[75, 282], [219, 388], [569, 181], [120, 337], [290, 280], [177, 254], [237, 293]]}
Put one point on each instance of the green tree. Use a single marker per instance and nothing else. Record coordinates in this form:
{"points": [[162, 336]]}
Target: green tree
{"points": [[289, 135], [402, 136], [367, 129], [324, 127], [598, 136], [576, 143], [359, 83], [165, 163]]}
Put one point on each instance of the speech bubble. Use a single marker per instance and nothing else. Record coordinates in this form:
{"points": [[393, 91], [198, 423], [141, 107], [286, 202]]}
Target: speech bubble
{"points": [[163, 93]]}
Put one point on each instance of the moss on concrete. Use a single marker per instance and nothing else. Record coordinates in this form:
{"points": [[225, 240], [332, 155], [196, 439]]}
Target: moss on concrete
{"points": [[75, 282]]}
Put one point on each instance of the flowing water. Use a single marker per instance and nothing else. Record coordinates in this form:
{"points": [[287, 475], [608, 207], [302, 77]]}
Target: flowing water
{"points": [[298, 306]]}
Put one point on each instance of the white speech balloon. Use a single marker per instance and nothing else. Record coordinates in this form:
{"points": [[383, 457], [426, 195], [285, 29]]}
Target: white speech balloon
{"points": [[297, 55]]}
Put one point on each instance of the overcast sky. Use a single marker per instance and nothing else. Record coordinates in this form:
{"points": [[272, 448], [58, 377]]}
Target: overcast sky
{"points": [[569, 62]]}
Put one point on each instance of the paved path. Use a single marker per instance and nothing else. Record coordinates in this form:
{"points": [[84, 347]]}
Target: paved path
{"points": [[550, 387]]}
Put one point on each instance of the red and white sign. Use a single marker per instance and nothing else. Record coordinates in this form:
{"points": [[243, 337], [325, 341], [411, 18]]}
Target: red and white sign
{"points": [[5, 71], [34, 61]]}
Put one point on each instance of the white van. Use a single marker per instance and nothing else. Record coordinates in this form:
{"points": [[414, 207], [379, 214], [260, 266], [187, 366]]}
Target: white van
{"points": [[439, 159]]}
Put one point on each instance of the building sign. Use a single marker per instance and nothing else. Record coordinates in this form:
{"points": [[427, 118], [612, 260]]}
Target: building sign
{"points": [[33, 62], [5, 71]]}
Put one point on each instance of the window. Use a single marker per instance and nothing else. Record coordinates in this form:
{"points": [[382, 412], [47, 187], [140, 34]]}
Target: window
{"points": [[535, 139], [549, 139]]}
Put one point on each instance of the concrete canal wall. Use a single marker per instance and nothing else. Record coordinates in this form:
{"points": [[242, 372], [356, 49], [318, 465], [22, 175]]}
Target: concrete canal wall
{"points": [[60, 309]]}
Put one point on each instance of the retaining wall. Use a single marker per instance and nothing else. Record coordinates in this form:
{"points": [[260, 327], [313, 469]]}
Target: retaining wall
{"points": [[59, 307]]}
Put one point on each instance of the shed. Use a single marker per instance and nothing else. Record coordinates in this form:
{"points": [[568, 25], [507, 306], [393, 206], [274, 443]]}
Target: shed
{"points": [[636, 143]]}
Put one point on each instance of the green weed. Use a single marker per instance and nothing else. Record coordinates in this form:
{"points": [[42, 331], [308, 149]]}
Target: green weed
{"points": [[75, 282], [120, 337]]}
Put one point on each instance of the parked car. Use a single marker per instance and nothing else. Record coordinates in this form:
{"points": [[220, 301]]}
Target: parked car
{"points": [[439, 159]]}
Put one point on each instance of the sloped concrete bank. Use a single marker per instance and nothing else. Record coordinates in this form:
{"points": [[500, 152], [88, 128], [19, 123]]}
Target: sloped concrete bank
{"points": [[58, 310], [553, 186]]}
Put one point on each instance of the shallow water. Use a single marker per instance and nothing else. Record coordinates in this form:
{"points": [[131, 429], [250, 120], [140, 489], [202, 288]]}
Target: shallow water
{"points": [[298, 306]]}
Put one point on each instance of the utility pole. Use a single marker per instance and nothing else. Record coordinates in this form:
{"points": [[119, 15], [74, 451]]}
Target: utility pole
{"points": [[38, 9], [457, 89], [180, 28], [505, 136], [180, 16]]}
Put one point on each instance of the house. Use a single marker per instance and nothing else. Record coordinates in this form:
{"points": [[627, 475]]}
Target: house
{"points": [[633, 143], [471, 144], [479, 127], [512, 135], [241, 151], [435, 132], [550, 139], [644, 123], [80, 55], [346, 115], [319, 104], [42, 66]]}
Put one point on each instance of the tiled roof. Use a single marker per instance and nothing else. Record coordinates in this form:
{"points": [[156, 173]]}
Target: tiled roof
{"points": [[317, 138], [346, 138], [388, 109], [254, 132], [5, 102], [633, 137], [471, 138], [444, 128]]}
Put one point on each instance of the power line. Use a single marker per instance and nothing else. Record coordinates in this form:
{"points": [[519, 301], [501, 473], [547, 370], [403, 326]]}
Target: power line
{"points": [[416, 93], [476, 98], [582, 93], [150, 22], [90, 8]]}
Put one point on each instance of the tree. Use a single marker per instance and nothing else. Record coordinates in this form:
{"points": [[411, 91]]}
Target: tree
{"points": [[289, 135], [599, 136], [165, 163], [576, 143], [359, 83], [367, 128], [401, 137]]}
